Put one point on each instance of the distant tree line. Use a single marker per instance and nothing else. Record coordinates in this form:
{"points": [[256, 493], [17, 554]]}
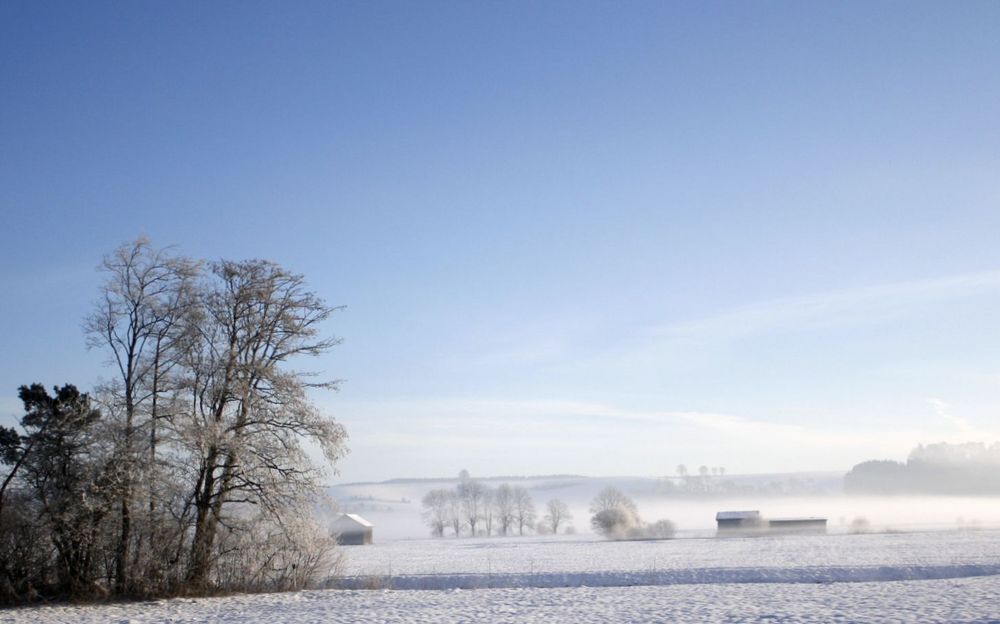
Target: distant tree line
{"points": [[949, 469], [186, 472], [711, 481], [707, 480], [473, 508]]}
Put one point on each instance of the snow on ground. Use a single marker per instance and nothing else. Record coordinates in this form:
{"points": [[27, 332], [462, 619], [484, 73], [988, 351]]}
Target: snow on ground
{"points": [[556, 561], [950, 576], [962, 600]]}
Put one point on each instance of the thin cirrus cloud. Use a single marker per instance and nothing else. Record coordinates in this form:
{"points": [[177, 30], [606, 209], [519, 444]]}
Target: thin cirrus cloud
{"points": [[698, 344], [834, 308]]}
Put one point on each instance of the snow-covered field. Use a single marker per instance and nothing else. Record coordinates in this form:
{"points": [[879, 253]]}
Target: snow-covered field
{"points": [[948, 576], [961, 600], [571, 560]]}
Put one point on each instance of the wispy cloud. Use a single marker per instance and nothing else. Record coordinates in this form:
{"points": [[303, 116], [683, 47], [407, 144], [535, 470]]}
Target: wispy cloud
{"points": [[623, 428], [833, 308]]}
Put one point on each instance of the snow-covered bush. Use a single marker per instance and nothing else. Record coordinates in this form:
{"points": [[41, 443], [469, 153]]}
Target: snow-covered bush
{"points": [[660, 529], [615, 514], [263, 553], [613, 523], [859, 525]]}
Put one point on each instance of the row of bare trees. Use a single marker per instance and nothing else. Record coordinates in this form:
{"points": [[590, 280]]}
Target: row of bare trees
{"points": [[188, 470], [707, 480], [473, 508]]}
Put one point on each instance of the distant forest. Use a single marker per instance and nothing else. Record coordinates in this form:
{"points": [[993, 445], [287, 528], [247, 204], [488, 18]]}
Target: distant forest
{"points": [[944, 469]]}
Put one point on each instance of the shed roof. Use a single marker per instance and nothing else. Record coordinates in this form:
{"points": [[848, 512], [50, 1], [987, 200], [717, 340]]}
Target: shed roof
{"points": [[737, 515], [352, 520]]}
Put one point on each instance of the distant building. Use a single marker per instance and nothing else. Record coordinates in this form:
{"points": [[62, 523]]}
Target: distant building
{"points": [[352, 529], [751, 522], [797, 525], [738, 521]]}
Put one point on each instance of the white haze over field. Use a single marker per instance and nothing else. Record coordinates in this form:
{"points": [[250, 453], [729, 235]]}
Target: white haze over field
{"points": [[395, 508]]}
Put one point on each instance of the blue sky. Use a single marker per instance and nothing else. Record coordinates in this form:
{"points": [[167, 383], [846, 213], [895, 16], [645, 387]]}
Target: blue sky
{"points": [[590, 237]]}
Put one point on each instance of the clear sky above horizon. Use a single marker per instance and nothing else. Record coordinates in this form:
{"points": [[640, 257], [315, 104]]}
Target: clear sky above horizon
{"points": [[591, 237]]}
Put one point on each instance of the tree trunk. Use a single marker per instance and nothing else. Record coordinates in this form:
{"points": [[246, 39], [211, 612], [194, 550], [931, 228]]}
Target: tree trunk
{"points": [[122, 582], [204, 526]]}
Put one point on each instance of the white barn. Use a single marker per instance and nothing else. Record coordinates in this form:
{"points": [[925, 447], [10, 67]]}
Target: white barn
{"points": [[352, 529]]}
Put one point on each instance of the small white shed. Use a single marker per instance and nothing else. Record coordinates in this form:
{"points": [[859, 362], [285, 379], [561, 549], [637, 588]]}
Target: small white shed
{"points": [[352, 529]]}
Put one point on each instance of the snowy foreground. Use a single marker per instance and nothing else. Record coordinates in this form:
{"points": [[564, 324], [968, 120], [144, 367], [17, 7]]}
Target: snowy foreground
{"points": [[960, 600], [928, 577]]}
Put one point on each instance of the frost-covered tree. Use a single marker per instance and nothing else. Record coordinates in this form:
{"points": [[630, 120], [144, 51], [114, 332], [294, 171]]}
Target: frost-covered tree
{"points": [[524, 509], [249, 412], [455, 513], [503, 503], [196, 475], [137, 320], [614, 513], [488, 516], [472, 495], [436, 510], [557, 513], [614, 523], [612, 498]]}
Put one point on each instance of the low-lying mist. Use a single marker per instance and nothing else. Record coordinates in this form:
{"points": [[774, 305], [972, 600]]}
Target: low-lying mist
{"points": [[893, 513], [395, 508]]}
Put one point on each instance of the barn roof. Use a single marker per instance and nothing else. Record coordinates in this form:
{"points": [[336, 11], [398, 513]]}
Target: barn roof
{"points": [[352, 520], [737, 515]]}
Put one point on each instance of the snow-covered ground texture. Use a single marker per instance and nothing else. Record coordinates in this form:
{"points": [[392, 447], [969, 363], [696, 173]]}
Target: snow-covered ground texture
{"points": [[944, 576], [957, 600], [574, 561]]}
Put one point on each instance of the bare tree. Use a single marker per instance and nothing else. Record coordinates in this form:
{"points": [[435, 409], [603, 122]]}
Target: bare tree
{"points": [[472, 493], [557, 513], [612, 498], [249, 414], [435, 512], [140, 307], [488, 494], [524, 509], [455, 513], [503, 502]]}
